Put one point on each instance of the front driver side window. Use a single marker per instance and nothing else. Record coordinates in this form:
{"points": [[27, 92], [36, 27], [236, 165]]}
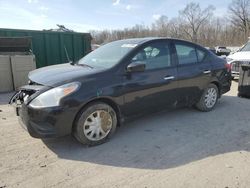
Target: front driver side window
{"points": [[155, 56]]}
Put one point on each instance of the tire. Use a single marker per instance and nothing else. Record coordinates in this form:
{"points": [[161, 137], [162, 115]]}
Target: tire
{"points": [[206, 104], [95, 124]]}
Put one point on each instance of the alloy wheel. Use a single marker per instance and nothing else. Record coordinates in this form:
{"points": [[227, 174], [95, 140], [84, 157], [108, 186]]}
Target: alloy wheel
{"points": [[211, 97]]}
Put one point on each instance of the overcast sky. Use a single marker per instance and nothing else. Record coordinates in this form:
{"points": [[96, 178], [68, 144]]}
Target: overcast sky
{"points": [[85, 15]]}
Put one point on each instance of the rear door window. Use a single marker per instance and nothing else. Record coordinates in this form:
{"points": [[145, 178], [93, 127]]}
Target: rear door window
{"points": [[189, 54], [186, 54], [200, 55]]}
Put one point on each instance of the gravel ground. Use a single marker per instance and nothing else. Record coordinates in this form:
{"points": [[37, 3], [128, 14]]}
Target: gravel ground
{"points": [[183, 148]]}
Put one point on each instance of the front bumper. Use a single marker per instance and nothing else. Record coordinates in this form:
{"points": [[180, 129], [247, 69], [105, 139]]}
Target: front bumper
{"points": [[44, 122], [235, 74], [47, 122], [236, 67]]}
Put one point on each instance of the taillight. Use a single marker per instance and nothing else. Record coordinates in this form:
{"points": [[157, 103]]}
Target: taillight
{"points": [[228, 67]]}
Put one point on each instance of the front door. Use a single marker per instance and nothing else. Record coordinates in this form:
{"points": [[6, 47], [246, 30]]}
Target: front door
{"points": [[155, 88]]}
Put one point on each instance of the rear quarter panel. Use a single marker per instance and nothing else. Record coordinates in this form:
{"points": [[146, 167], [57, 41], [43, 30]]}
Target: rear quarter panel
{"points": [[221, 75]]}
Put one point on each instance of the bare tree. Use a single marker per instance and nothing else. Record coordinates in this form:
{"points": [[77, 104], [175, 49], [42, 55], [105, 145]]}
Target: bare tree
{"points": [[240, 15], [161, 26], [192, 24], [193, 17]]}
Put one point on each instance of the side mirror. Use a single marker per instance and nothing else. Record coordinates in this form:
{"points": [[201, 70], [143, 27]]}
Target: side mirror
{"points": [[136, 67]]}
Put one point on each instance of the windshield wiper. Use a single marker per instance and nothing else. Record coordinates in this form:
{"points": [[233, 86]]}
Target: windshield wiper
{"points": [[84, 65]]}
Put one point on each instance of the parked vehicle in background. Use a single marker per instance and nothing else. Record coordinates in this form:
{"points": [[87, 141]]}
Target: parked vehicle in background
{"points": [[212, 49], [240, 57], [221, 50], [119, 81]]}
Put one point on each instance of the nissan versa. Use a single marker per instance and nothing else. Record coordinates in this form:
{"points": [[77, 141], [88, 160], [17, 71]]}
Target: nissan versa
{"points": [[118, 81]]}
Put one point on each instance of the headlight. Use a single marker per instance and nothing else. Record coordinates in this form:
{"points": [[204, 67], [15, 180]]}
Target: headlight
{"points": [[53, 96]]}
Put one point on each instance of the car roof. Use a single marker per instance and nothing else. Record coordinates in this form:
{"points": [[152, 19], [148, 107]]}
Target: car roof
{"points": [[147, 39], [140, 41]]}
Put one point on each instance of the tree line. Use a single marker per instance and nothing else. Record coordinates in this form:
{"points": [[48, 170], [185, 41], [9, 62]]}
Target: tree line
{"points": [[194, 24]]}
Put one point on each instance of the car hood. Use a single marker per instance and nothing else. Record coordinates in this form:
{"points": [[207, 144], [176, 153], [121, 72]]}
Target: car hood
{"points": [[57, 74], [240, 56]]}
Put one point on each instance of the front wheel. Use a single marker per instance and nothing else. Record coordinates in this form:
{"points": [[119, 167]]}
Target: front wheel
{"points": [[208, 99], [95, 124]]}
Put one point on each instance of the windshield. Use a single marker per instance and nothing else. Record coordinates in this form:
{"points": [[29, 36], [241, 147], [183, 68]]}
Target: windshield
{"points": [[246, 47], [108, 55]]}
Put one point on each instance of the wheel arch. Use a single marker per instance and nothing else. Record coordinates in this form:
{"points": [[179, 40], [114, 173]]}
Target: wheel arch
{"points": [[218, 86]]}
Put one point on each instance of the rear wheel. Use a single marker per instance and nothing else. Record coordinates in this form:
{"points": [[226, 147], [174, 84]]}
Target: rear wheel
{"points": [[95, 124], [208, 99]]}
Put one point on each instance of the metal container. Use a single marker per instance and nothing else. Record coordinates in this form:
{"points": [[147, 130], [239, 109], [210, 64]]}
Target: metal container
{"points": [[50, 47]]}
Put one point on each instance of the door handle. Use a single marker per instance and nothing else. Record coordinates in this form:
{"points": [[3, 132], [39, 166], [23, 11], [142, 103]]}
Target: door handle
{"points": [[207, 72], [169, 78]]}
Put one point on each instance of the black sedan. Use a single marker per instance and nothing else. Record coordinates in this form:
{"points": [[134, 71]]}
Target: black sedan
{"points": [[118, 81]]}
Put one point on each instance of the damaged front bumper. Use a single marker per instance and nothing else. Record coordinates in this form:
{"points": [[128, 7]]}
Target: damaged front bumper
{"points": [[44, 122]]}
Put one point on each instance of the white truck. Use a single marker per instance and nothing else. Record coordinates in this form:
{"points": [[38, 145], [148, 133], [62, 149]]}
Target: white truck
{"points": [[242, 56]]}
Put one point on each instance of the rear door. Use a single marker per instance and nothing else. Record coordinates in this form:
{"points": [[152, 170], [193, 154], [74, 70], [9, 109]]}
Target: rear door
{"points": [[194, 71], [153, 89]]}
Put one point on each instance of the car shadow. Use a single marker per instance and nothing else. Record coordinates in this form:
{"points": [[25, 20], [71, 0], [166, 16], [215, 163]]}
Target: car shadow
{"points": [[168, 139]]}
